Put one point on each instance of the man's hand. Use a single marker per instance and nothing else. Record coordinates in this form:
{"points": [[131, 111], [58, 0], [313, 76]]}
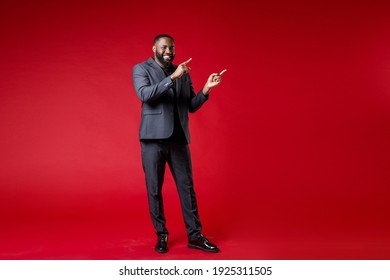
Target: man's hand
{"points": [[181, 70], [213, 80]]}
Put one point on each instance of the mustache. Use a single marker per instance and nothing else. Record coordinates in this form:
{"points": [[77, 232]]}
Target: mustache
{"points": [[161, 59]]}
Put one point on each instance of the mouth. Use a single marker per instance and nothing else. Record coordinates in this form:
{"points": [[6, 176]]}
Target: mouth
{"points": [[167, 57]]}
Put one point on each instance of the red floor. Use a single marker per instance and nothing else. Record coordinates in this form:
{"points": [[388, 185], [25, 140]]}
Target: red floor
{"points": [[122, 241]]}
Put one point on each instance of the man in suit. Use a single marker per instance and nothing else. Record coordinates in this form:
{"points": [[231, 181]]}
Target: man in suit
{"points": [[167, 96]]}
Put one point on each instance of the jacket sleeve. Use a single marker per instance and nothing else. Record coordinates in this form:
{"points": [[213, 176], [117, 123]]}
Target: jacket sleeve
{"points": [[146, 91], [196, 100]]}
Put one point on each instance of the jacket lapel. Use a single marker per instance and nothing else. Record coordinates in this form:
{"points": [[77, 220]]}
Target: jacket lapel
{"points": [[158, 69], [161, 74]]}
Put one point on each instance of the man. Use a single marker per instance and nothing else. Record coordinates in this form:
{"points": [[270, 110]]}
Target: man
{"points": [[167, 96]]}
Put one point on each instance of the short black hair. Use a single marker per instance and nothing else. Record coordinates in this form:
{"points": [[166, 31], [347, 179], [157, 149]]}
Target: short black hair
{"points": [[159, 36]]}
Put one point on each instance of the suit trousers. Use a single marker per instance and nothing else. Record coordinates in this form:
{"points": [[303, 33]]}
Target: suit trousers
{"points": [[155, 156]]}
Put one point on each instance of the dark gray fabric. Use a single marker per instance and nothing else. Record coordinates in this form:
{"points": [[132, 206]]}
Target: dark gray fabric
{"points": [[155, 156], [155, 91], [163, 102]]}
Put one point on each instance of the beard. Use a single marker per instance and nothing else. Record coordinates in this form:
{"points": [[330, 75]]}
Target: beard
{"points": [[166, 64]]}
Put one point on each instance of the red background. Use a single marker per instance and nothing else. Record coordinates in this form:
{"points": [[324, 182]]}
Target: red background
{"points": [[291, 154]]}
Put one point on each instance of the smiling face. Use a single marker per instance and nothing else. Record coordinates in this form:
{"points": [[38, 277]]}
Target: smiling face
{"points": [[164, 52]]}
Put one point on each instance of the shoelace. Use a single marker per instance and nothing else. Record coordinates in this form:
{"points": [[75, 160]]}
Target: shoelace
{"points": [[203, 239]]}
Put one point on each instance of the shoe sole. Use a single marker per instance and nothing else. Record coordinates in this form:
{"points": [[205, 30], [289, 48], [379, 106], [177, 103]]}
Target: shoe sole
{"points": [[161, 252], [203, 249]]}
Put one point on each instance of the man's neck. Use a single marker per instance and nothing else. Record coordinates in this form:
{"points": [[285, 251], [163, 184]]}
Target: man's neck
{"points": [[159, 63]]}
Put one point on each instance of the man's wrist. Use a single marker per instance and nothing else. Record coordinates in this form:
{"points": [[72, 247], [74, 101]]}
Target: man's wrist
{"points": [[206, 90]]}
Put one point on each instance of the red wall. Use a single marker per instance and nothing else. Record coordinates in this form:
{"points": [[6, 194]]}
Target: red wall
{"points": [[295, 138]]}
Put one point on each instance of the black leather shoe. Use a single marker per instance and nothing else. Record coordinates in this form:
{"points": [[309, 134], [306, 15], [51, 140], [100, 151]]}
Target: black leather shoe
{"points": [[162, 243], [203, 244]]}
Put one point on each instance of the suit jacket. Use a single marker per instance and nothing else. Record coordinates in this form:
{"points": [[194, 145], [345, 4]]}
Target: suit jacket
{"points": [[155, 91]]}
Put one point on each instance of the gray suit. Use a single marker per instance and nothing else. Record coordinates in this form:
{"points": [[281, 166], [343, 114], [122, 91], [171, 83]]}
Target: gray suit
{"points": [[155, 89]]}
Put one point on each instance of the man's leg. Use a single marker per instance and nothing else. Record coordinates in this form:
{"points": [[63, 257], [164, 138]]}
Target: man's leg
{"points": [[179, 160], [153, 161]]}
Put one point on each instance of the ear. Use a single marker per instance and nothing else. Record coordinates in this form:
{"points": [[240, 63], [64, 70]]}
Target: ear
{"points": [[154, 49]]}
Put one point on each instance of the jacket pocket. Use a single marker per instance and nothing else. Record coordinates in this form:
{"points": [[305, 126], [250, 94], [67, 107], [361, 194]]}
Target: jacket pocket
{"points": [[151, 112]]}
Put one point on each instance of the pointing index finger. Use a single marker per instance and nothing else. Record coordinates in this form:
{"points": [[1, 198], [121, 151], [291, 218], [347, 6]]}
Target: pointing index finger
{"points": [[223, 71], [185, 62]]}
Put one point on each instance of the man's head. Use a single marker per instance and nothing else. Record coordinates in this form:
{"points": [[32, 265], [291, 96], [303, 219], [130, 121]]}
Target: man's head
{"points": [[164, 50]]}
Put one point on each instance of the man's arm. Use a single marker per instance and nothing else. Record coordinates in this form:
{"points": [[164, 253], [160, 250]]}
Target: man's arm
{"points": [[143, 87], [213, 80], [197, 100]]}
